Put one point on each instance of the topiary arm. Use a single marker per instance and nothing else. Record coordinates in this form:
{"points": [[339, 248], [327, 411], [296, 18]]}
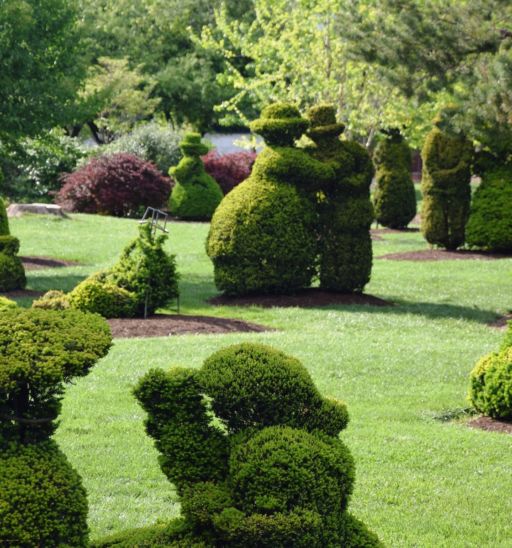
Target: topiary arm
{"points": [[364, 170]]}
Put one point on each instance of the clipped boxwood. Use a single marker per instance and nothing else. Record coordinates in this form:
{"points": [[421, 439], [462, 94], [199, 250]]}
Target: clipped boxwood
{"points": [[394, 198], [195, 195], [12, 273]]}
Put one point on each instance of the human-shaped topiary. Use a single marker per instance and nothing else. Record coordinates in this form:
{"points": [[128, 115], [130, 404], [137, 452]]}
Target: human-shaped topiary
{"points": [[344, 206], [445, 183], [195, 195], [394, 198], [263, 235], [42, 501], [253, 450]]}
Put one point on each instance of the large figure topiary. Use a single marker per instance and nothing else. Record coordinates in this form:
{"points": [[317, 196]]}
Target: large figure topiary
{"points": [[195, 195], [42, 501], [345, 210], [263, 235], [394, 198], [445, 184], [266, 470]]}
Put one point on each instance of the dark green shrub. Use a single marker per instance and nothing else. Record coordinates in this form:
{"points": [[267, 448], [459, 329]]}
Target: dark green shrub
{"points": [[12, 273], [445, 185], [343, 203], [507, 340], [4, 221], [263, 234], [7, 303], [52, 300], [195, 195], [394, 198], [490, 220], [42, 501], [491, 385]]}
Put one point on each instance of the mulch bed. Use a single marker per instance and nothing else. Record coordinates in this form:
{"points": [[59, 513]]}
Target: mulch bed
{"points": [[19, 293], [443, 255], [162, 325], [38, 263], [491, 425], [502, 322], [307, 298]]}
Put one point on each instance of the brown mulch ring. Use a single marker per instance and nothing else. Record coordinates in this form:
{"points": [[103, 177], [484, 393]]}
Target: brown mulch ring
{"points": [[37, 263], [502, 322], [491, 425], [384, 230], [162, 325], [443, 255], [19, 293], [307, 298]]}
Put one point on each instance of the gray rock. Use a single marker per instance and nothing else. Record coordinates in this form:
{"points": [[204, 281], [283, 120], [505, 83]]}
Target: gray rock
{"points": [[17, 210]]}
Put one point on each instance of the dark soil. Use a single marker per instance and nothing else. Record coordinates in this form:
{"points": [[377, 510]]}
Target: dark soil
{"points": [[307, 298], [19, 293], [502, 322], [37, 263], [162, 325], [491, 425], [443, 255]]}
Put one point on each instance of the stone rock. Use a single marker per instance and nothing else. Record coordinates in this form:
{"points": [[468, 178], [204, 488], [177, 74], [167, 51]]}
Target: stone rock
{"points": [[18, 210]]}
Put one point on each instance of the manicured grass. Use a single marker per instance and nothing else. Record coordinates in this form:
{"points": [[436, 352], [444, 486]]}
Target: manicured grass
{"points": [[420, 481]]}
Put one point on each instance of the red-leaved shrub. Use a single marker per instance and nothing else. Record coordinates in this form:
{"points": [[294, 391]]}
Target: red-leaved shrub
{"points": [[229, 169], [121, 185]]}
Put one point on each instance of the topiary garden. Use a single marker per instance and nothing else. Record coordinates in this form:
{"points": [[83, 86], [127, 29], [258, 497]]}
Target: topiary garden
{"points": [[12, 273]]}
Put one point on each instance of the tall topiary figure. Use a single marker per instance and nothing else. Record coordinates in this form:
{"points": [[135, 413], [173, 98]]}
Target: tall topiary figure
{"points": [[394, 198], [4, 221], [263, 234], [445, 184], [345, 210], [42, 501], [195, 195], [276, 474]]}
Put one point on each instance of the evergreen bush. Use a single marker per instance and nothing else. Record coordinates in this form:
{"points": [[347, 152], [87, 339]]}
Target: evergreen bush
{"points": [[394, 198], [507, 340], [263, 234], [52, 300], [12, 273], [445, 184], [6, 303], [195, 195], [4, 221], [254, 452]]}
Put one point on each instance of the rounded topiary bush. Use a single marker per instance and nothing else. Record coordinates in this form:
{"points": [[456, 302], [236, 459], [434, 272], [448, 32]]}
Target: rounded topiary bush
{"points": [[120, 184], [12, 273], [195, 195], [42, 500], [491, 385], [394, 198]]}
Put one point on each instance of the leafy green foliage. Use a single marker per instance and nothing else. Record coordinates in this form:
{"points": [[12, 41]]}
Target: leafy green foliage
{"points": [[12, 273], [490, 219], [52, 300], [507, 340], [394, 198], [6, 303], [446, 188], [195, 195], [42, 500], [4, 221], [491, 385]]}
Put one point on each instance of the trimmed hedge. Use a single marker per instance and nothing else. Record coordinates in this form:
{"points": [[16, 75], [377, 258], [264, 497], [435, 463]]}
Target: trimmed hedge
{"points": [[446, 188], [394, 198], [195, 195], [12, 273]]}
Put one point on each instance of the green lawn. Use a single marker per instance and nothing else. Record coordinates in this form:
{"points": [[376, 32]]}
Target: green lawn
{"points": [[420, 481]]}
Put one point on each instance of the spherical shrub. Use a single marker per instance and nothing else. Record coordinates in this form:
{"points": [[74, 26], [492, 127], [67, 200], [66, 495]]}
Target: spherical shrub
{"points": [[52, 300], [120, 184], [394, 198], [490, 220], [195, 195], [40, 350], [229, 170], [4, 221], [253, 385], [491, 385], [7, 303], [42, 501]]}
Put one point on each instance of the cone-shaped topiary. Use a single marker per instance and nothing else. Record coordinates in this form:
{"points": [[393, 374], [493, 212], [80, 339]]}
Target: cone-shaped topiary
{"points": [[394, 198], [195, 195], [445, 184], [42, 501], [263, 234], [490, 220], [254, 452], [344, 206], [12, 273]]}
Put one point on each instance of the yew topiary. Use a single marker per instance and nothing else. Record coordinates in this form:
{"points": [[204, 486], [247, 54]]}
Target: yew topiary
{"points": [[195, 195], [394, 198], [12, 273], [445, 184], [263, 237], [4, 221], [254, 451]]}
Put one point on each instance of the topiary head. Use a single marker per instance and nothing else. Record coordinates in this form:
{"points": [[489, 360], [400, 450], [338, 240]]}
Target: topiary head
{"points": [[323, 125], [192, 145], [280, 124], [446, 119]]}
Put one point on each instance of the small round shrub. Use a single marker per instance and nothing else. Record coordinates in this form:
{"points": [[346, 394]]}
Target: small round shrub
{"points": [[120, 185], [229, 170], [195, 195], [394, 198], [42, 501], [491, 385], [4, 221], [490, 220], [7, 303], [52, 300], [101, 297]]}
